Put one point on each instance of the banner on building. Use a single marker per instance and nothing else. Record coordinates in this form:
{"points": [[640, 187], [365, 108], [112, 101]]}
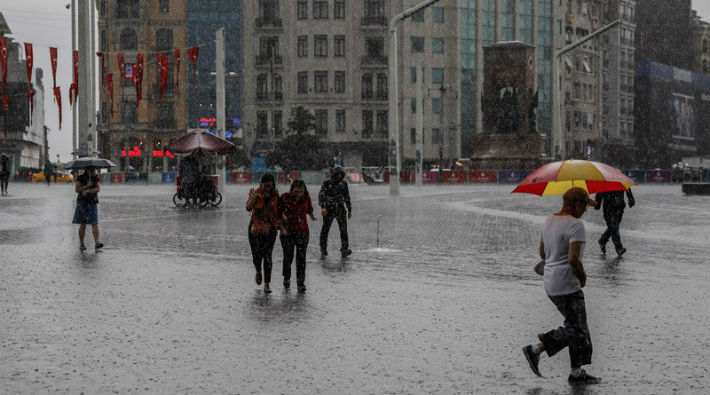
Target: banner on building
{"points": [[3, 64], [5, 104], [121, 68], [74, 87], [192, 53], [58, 99], [138, 73], [29, 60], [53, 59], [109, 87]]}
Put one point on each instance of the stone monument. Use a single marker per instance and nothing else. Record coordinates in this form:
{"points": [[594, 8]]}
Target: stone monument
{"points": [[509, 139]]}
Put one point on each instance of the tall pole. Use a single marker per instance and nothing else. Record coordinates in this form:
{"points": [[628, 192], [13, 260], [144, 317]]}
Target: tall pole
{"points": [[221, 112], [87, 107], [74, 119], [420, 122], [393, 102]]}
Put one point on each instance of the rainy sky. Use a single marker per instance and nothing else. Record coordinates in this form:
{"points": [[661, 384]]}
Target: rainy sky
{"points": [[46, 23]]}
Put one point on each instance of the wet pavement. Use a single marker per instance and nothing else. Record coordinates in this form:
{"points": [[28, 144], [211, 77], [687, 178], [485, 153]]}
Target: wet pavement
{"points": [[443, 304]]}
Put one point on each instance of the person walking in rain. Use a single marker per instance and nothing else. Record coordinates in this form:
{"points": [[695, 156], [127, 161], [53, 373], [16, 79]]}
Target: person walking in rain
{"points": [[294, 206], [333, 199], [263, 204], [87, 187], [562, 247], [4, 177], [614, 205]]}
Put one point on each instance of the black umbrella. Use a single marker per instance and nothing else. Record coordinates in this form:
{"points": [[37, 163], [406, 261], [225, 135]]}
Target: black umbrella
{"points": [[83, 163]]}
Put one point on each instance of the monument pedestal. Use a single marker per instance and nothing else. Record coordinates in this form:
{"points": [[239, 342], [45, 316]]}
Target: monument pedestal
{"points": [[508, 151]]}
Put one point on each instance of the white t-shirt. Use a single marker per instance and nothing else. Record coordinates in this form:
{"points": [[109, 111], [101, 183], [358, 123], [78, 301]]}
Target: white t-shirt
{"points": [[557, 232]]}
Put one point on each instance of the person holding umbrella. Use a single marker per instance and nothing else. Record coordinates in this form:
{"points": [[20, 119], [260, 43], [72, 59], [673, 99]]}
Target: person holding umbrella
{"points": [[87, 187], [562, 247]]}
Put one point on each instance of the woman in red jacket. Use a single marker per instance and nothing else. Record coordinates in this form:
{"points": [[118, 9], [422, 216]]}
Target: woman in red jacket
{"points": [[294, 206], [263, 203]]}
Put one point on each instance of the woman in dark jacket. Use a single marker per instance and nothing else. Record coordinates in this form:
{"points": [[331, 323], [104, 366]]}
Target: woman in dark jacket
{"points": [[87, 187], [293, 208], [263, 204]]}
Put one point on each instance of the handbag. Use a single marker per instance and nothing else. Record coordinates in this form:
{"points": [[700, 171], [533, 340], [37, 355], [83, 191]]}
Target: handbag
{"points": [[540, 267]]}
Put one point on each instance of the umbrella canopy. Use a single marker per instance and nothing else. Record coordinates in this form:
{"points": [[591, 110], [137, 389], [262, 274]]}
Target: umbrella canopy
{"points": [[198, 142], [557, 177], [83, 163]]}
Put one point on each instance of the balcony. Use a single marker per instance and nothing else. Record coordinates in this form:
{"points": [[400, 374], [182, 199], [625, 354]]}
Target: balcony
{"points": [[265, 97], [268, 23], [374, 21], [374, 61], [265, 60]]}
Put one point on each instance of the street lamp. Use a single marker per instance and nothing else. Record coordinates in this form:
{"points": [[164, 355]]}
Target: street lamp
{"points": [[393, 107]]}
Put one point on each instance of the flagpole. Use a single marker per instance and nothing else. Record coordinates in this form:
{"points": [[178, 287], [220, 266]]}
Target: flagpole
{"points": [[221, 112], [74, 120]]}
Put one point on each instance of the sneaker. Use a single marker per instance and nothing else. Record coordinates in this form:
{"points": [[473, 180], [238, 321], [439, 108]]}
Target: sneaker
{"points": [[602, 247], [301, 288], [620, 251], [98, 246], [82, 247], [258, 278], [346, 252], [584, 378], [533, 359], [287, 283]]}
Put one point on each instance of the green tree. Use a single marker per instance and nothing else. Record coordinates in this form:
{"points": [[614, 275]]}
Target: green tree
{"points": [[301, 149], [302, 122]]}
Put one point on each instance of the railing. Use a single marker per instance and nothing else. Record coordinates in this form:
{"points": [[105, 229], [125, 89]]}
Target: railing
{"points": [[374, 60], [268, 22], [373, 21], [262, 60], [263, 96]]}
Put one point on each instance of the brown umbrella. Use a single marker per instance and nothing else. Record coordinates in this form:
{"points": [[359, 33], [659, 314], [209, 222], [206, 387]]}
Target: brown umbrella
{"points": [[200, 143]]}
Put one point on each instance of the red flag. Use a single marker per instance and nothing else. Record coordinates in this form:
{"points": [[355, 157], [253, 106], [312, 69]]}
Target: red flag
{"points": [[74, 87], [3, 64], [121, 68], [100, 55], [53, 57], [164, 64], [192, 53], [58, 99], [177, 68], [5, 104], [138, 73], [109, 87], [29, 60]]}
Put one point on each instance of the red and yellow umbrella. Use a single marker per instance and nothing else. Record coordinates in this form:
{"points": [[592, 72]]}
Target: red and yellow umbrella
{"points": [[557, 177]]}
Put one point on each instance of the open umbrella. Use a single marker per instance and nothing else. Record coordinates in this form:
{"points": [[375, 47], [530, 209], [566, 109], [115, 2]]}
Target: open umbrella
{"points": [[557, 177], [83, 163], [200, 143]]}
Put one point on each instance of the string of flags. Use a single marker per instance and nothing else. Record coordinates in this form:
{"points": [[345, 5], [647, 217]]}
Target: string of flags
{"points": [[162, 63]]}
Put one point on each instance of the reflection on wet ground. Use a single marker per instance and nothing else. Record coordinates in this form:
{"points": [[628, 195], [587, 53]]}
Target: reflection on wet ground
{"points": [[440, 299]]}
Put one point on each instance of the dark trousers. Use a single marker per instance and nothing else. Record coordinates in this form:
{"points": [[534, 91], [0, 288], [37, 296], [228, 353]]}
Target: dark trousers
{"points": [[3, 184], [575, 333], [340, 215], [299, 244], [261, 248], [612, 230]]}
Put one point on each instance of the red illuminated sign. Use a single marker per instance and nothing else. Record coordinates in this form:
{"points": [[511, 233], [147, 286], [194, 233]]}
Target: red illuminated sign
{"points": [[158, 154], [132, 153]]}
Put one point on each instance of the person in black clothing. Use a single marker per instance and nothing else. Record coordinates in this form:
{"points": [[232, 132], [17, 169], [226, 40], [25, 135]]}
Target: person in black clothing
{"points": [[87, 187], [614, 205], [333, 199], [4, 177]]}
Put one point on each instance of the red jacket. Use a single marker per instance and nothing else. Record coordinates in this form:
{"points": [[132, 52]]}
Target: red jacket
{"points": [[264, 216], [295, 211]]}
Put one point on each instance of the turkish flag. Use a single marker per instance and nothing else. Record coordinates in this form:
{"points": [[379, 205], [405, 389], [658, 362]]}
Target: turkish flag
{"points": [[5, 104], [138, 73], [121, 68], [29, 60], [163, 66], [3, 64], [53, 58], [109, 87], [74, 87], [58, 99], [177, 68], [192, 53]]}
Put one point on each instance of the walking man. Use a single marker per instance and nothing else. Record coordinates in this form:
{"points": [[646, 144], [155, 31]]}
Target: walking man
{"points": [[614, 205], [4, 177], [333, 199], [562, 247]]}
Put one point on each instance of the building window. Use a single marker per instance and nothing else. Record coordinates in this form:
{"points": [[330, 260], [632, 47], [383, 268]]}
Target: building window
{"points": [[413, 105], [164, 40], [437, 14], [262, 126], [321, 81], [302, 82], [104, 112], [417, 44], [382, 86], [437, 76], [302, 9], [268, 11], [375, 47], [367, 86], [102, 8], [367, 120], [129, 111], [340, 121], [278, 124], [127, 9], [268, 47], [129, 39], [278, 87], [418, 16], [382, 123], [261, 87], [302, 46], [339, 82], [164, 6], [320, 9], [339, 47], [436, 137], [103, 41], [321, 46], [166, 117], [412, 136], [374, 8], [413, 75], [437, 45], [436, 105], [321, 122], [339, 9]]}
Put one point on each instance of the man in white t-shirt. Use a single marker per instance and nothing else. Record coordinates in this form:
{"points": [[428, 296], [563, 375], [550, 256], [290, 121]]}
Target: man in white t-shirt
{"points": [[562, 247]]}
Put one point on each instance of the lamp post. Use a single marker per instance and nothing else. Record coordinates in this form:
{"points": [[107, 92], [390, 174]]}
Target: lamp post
{"points": [[393, 107]]}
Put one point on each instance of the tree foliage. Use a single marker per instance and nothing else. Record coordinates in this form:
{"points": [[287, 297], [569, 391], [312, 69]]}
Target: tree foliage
{"points": [[301, 149]]}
